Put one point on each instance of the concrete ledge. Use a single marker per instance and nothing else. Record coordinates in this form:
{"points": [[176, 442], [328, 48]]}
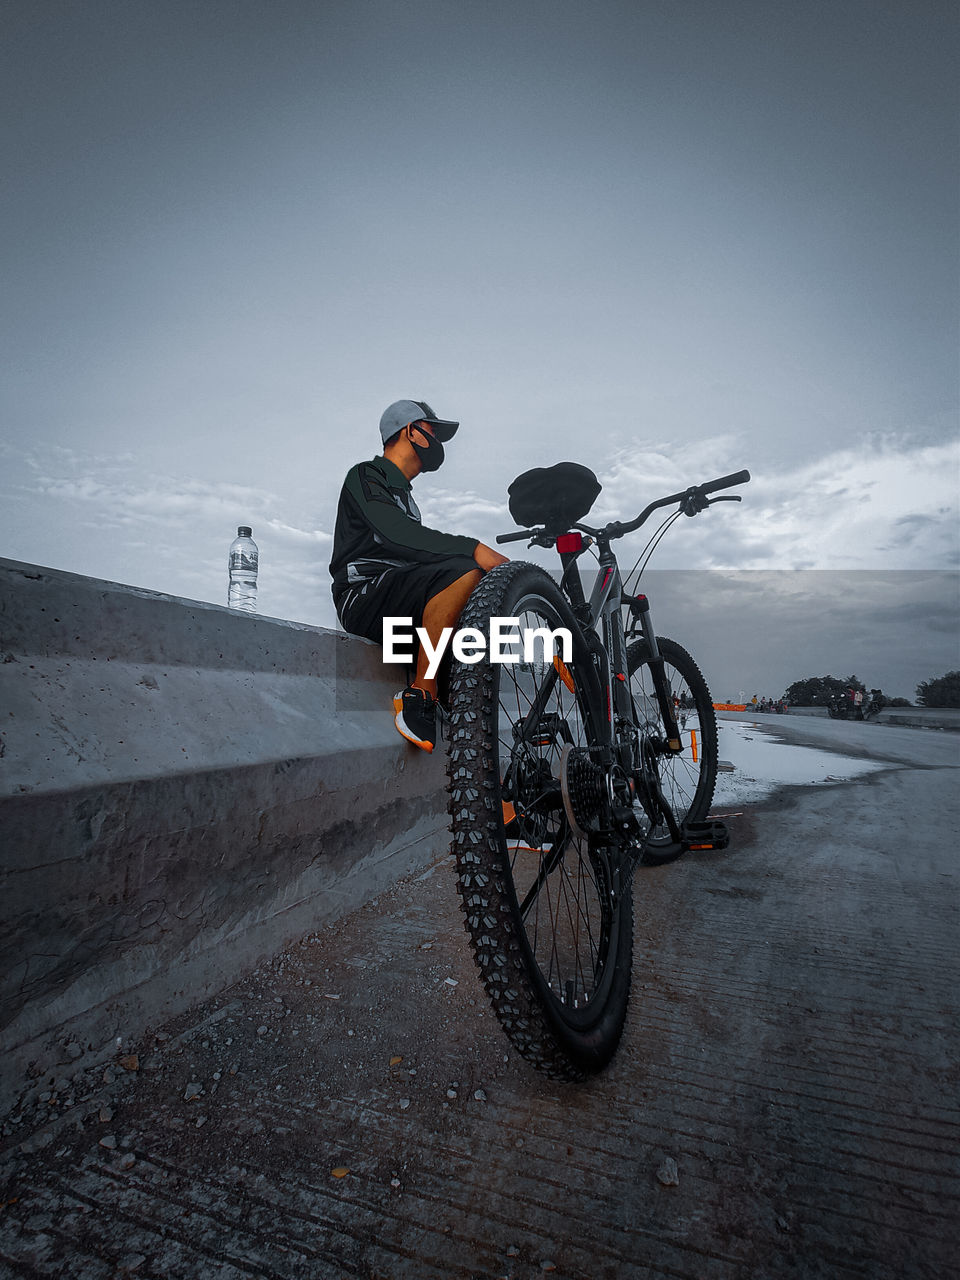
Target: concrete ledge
{"points": [[183, 791]]}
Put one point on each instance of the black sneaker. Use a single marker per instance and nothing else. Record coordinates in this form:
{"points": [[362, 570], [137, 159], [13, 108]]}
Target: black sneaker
{"points": [[416, 717]]}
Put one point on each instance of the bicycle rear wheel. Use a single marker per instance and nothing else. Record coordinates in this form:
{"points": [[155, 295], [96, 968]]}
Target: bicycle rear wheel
{"points": [[687, 779], [548, 911]]}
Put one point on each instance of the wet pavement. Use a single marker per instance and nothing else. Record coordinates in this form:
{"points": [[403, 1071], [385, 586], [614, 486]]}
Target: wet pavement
{"points": [[762, 764], [786, 1101]]}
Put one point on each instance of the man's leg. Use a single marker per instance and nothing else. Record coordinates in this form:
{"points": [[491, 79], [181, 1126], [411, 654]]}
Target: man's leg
{"points": [[442, 610]]}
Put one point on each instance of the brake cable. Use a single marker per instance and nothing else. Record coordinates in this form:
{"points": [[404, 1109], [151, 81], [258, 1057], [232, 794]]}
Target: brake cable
{"points": [[648, 551]]}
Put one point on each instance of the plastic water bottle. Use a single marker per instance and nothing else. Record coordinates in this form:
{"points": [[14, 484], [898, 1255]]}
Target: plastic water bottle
{"points": [[242, 568]]}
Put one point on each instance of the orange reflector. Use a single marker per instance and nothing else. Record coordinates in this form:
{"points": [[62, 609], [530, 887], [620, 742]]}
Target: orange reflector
{"points": [[509, 812], [563, 672], [693, 744]]}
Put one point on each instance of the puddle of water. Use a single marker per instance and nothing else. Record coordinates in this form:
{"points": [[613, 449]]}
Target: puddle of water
{"points": [[761, 764]]}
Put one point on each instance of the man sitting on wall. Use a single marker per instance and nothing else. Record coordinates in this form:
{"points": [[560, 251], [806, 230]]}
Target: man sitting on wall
{"points": [[387, 564]]}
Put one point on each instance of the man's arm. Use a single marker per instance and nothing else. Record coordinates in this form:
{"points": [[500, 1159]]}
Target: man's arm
{"points": [[395, 530]]}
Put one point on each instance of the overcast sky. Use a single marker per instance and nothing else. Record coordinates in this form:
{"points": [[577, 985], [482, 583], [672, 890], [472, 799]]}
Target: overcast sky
{"points": [[668, 240]]}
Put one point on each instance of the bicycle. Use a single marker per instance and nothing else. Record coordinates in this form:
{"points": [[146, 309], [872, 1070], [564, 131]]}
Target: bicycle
{"points": [[565, 775]]}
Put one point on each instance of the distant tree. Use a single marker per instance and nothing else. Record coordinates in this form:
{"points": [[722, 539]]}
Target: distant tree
{"points": [[819, 690], [944, 692], [899, 702]]}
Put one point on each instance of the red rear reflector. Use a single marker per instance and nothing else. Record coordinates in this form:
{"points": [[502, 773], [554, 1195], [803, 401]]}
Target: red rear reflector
{"points": [[569, 542]]}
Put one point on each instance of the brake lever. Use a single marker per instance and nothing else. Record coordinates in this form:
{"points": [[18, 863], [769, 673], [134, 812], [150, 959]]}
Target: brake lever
{"points": [[694, 501]]}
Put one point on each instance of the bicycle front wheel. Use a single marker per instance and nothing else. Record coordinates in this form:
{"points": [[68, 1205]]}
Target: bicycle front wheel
{"points": [[547, 902], [687, 779]]}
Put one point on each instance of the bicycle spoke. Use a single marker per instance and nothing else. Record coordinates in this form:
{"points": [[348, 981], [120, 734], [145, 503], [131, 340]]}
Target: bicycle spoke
{"points": [[561, 902], [685, 779]]}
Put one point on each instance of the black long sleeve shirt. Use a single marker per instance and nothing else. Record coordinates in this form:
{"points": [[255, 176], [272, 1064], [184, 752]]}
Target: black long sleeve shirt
{"points": [[379, 527]]}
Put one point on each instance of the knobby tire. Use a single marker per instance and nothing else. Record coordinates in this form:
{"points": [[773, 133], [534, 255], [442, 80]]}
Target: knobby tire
{"points": [[564, 1012], [688, 785]]}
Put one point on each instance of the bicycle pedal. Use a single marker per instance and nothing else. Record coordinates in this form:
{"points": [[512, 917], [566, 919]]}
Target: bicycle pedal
{"points": [[705, 835]]}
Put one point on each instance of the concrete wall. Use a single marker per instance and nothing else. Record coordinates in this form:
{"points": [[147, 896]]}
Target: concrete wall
{"points": [[183, 790]]}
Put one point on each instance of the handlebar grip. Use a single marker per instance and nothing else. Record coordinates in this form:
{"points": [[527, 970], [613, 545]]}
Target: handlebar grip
{"points": [[515, 537], [725, 482]]}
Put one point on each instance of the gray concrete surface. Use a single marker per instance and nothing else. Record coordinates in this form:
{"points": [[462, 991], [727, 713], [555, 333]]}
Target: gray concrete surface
{"points": [[791, 1047], [904, 717], [924, 745], [183, 789]]}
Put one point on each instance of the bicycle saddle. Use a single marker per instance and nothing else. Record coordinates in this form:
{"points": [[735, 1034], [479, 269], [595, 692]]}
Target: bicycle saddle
{"points": [[554, 496]]}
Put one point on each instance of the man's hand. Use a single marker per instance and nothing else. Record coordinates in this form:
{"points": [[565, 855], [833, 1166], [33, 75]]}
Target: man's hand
{"points": [[487, 558]]}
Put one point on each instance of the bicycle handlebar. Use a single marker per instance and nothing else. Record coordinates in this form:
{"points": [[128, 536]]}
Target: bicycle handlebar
{"points": [[695, 497], [696, 491], [725, 482]]}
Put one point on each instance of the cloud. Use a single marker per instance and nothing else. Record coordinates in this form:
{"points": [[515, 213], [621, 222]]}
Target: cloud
{"points": [[464, 512], [286, 532], [890, 504], [760, 630], [100, 516]]}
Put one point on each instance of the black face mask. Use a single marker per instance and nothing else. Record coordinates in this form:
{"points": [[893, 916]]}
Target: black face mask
{"points": [[430, 454]]}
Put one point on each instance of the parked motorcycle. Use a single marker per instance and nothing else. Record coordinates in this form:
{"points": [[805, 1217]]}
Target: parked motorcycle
{"points": [[846, 709]]}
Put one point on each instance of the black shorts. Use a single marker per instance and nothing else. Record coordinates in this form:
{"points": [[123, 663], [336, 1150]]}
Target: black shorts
{"points": [[398, 593]]}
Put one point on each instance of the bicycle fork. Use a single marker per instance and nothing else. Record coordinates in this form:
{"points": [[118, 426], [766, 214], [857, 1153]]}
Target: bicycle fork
{"points": [[709, 834], [640, 609]]}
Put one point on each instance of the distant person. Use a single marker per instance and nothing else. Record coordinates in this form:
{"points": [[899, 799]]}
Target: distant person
{"points": [[385, 563]]}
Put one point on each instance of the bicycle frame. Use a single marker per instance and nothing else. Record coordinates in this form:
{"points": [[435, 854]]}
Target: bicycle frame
{"points": [[605, 608], [611, 706], [610, 702]]}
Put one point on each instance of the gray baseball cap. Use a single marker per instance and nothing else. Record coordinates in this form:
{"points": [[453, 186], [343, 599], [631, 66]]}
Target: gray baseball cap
{"points": [[402, 412]]}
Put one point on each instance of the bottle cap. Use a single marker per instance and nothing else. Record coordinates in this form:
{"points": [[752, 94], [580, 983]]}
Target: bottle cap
{"points": [[244, 531]]}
